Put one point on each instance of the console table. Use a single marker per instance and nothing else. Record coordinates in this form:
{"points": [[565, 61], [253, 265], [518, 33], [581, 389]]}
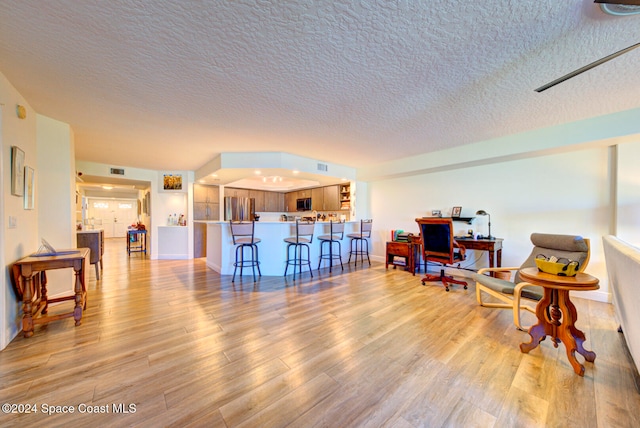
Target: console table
{"points": [[557, 315], [25, 275]]}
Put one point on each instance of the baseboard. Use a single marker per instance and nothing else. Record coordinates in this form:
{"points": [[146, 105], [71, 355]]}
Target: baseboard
{"points": [[634, 368], [173, 257]]}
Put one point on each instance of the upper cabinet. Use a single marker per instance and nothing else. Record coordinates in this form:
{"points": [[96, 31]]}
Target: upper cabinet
{"points": [[328, 198], [331, 198], [208, 194], [258, 199], [317, 199], [273, 202], [238, 193], [290, 201], [206, 202]]}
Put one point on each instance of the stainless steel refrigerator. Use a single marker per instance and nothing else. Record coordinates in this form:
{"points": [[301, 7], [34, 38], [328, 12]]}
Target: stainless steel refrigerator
{"points": [[239, 209]]}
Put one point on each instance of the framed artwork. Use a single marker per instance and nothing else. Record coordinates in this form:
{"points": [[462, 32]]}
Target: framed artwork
{"points": [[456, 211], [436, 213], [29, 188], [17, 171], [172, 182]]}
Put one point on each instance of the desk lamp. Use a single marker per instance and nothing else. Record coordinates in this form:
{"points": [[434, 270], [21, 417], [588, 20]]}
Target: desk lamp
{"points": [[483, 212]]}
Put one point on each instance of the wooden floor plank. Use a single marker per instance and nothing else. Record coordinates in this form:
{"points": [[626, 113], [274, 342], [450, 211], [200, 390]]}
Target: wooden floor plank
{"points": [[361, 347]]}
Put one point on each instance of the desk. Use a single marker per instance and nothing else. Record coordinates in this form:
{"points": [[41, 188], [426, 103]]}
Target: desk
{"points": [[557, 315], [493, 246], [25, 269], [409, 250], [139, 236]]}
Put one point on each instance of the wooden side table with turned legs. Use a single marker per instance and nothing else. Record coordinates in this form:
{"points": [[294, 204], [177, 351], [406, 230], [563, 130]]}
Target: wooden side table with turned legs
{"points": [[557, 315]]}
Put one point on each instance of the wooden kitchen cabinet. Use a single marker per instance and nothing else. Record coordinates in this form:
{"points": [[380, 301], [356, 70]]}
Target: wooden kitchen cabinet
{"points": [[273, 202], [258, 200], [317, 199], [238, 193], [331, 198], [290, 201], [206, 202], [204, 193]]}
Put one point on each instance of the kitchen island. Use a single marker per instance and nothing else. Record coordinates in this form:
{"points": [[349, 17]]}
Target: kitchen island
{"points": [[272, 250]]}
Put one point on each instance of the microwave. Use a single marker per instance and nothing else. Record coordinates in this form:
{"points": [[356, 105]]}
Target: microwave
{"points": [[303, 204]]}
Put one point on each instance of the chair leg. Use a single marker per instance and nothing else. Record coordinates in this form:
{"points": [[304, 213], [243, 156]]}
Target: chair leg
{"points": [[257, 260], [367, 245], [97, 271], [446, 280], [235, 266]]}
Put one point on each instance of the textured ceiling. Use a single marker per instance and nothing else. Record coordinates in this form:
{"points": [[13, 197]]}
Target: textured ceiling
{"points": [[164, 84]]}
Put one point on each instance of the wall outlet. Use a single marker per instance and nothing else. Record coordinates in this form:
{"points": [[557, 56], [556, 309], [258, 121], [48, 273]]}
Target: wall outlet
{"points": [[13, 222]]}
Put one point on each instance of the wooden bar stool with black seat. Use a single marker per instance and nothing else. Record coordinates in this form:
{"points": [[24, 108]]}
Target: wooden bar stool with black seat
{"points": [[243, 238], [360, 239], [336, 234], [302, 239]]}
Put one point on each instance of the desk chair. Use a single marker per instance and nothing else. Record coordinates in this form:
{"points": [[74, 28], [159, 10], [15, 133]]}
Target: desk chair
{"points": [[511, 293], [336, 234], [360, 238], [439, 246], [302, 239], [243, 239]]}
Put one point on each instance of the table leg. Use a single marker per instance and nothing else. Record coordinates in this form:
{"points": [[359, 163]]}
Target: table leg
{"points": [[79, 294], [27, 316], [43, 291], [539, 331]]}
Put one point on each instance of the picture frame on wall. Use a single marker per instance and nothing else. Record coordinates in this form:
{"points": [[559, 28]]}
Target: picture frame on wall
{"points": [[29, 188], [172, 182], [17, 171], [456, 211]]}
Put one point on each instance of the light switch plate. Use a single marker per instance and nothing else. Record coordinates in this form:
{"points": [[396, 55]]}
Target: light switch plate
{"points": [[13, 222]]}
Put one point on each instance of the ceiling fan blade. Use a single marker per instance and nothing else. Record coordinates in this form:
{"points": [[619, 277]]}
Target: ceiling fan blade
{"points": [[626, 2], [586, 68]]}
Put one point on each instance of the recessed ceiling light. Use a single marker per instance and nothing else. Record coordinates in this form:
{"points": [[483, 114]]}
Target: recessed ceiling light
{"points": [[107, 187], [257, 172]]}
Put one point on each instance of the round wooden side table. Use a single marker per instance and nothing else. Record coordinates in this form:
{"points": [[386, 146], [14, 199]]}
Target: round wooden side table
{"points": [[557, 315]]}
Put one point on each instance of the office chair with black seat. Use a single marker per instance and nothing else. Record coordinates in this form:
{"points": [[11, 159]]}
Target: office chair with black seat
{"points": [[438, 245]]}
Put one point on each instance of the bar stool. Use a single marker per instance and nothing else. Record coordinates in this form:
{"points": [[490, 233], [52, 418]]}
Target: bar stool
{"points": [[336, 234], [242, 234], [304, 236], [360, 238]]}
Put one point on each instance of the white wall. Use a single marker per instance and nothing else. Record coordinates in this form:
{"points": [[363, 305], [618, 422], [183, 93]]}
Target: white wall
{"points": [[162, 202], [558, 193], [55, 195], [628, 219], [21, 241]]}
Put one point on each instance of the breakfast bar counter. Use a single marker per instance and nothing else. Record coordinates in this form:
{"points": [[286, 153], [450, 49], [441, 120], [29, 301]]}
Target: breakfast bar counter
{"points": [[272, 250]]}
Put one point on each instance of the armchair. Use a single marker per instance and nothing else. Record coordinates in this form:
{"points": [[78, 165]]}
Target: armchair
{"points": [[438, 245], [511, 292]]}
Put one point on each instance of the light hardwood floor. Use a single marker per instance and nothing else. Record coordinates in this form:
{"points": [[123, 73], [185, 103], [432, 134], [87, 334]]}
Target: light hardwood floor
{"points": [[366, 347]]}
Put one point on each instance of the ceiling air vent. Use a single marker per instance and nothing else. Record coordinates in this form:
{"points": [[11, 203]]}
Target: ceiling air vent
{"points": [[117, 171], [323, 167]]}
